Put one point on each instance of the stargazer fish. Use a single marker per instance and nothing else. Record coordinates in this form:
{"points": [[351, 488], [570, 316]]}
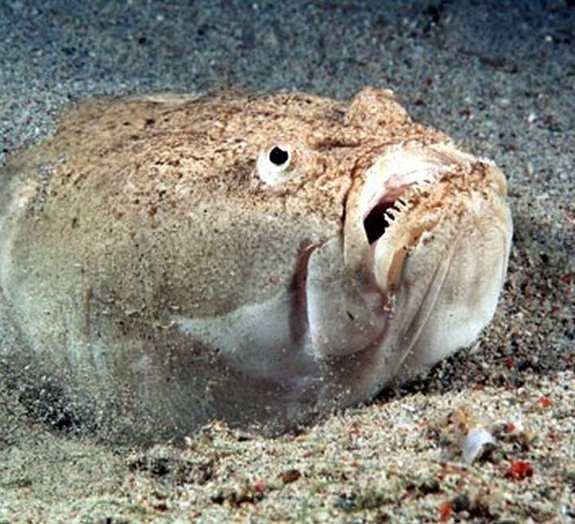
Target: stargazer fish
{"points": [[168, 260]]}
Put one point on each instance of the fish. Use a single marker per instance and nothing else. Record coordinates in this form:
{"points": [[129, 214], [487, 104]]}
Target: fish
{"points": [[167, 260]]}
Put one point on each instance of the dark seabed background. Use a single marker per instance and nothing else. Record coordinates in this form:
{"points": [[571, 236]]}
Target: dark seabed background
{"points": [[499, 77]]}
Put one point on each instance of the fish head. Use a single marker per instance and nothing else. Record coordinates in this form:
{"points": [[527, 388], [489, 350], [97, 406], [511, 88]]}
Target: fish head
{"points": [[240, 256], [406, 239]]}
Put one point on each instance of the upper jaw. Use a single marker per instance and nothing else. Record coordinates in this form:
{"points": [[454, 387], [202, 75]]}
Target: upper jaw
{"points": [[403, 195]]}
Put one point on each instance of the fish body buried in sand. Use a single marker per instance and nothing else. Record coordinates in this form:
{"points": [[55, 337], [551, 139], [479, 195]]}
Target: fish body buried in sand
{"points": [[168, 260]]}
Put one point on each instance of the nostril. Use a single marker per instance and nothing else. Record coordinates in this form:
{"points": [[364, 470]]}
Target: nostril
{"points": [[378, 220]]}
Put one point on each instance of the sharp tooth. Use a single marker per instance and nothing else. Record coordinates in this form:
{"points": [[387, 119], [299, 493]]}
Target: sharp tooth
{"points": [[403, 204], [422, 187]]}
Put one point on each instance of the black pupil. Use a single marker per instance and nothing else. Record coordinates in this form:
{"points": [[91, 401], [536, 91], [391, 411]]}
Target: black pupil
{"points": [[278, 156]]}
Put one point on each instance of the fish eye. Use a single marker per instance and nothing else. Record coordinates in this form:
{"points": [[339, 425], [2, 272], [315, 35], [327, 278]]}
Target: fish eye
{"points": [[278, 156], [274, 165]]}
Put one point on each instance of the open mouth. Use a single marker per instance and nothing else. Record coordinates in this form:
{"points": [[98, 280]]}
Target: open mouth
{"points": [[384, 208], [381, 216], [394, 185]]}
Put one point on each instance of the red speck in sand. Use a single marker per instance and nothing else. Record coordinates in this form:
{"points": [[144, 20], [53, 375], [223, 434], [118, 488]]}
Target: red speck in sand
{"points": [[355, 431], [519, 470], [545, 402], [445, 511]]}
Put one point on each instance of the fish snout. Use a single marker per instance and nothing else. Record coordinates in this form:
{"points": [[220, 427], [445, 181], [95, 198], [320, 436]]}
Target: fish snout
{"points": [[431, 227]]}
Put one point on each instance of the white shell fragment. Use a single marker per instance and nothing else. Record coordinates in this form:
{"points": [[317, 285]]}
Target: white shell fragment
{"points": [[474, 444]]}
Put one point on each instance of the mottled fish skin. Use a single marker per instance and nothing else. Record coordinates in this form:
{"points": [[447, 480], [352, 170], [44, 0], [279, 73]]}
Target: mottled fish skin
{"points": [[171, 259]]}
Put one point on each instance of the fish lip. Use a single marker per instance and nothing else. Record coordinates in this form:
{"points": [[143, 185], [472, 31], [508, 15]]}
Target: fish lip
{"points": [[299, 317]]}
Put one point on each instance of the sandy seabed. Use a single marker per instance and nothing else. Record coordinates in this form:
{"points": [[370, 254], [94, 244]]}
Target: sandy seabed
{"points": [[497, 76]]}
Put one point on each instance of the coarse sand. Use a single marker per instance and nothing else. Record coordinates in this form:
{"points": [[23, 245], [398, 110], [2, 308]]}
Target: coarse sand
{"points": [[499, 77]]}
